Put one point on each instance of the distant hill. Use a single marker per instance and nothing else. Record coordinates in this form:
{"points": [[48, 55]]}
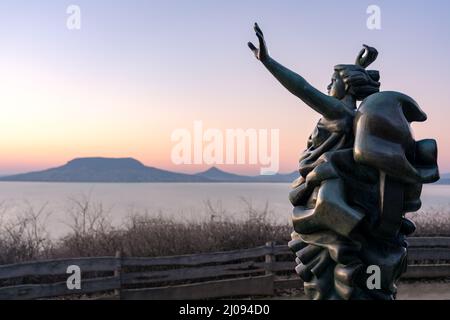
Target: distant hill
{"points": [[131, 170], [218, 175], [104, 170]]}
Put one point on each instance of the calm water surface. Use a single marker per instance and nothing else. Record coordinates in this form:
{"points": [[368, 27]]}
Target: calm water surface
{"points": [[180, 201]]}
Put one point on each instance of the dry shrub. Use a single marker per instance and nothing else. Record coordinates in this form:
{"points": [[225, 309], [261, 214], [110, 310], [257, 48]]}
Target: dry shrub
{"points": [[144, 235], [141, 234], [24, 237], [432, 223]]}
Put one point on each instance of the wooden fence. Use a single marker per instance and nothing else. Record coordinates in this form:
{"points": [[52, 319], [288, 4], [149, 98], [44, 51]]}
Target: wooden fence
{"points": [[258, 271]]}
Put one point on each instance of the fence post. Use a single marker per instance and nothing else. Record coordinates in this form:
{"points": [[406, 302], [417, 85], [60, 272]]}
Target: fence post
{"points": [[118, 273], [270, 257]]}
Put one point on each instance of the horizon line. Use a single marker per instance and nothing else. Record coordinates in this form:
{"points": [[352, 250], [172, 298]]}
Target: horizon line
{"points": [[6, 174]]}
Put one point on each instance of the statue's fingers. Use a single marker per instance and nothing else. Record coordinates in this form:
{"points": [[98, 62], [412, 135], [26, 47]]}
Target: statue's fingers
{"points": [[252, 47], [258, 29], [260, 36], [262, 42]]}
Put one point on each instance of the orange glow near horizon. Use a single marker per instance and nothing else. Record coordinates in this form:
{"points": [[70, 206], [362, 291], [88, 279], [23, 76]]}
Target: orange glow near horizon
{"points": [[70, 121]]}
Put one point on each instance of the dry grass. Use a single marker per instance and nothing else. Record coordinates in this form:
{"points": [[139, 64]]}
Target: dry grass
{"points": [[25, 237], [432, 223], [92, 234], [141, 234]]}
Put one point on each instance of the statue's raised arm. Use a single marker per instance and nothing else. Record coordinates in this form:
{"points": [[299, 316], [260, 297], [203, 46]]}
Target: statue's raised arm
{"points": [[328, 106]]}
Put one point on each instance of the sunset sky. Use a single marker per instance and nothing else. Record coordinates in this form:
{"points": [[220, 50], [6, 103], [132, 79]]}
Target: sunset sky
{"points": [[138, 70]]}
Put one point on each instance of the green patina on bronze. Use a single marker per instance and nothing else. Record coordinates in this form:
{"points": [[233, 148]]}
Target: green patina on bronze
{"points": [[361, 173]]}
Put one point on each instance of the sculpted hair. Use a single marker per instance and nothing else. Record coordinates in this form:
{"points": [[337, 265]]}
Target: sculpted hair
{"points": [[360, 83]]}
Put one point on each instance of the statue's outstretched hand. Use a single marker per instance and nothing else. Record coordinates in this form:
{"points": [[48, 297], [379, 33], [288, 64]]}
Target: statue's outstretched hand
{"points": [[261, 54]]}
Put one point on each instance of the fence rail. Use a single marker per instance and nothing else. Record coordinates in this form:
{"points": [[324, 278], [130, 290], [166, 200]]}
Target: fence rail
{"points": [[249, 272]]}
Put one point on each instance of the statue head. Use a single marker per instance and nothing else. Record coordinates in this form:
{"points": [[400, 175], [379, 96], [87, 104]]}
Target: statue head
{"points": [[354, 79]]}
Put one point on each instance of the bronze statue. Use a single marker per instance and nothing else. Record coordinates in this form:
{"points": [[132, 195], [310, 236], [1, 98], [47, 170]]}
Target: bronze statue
{"points": [[361, 173]]}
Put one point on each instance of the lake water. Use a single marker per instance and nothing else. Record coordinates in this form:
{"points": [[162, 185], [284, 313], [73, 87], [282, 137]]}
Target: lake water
{"points": [[180, 201]]}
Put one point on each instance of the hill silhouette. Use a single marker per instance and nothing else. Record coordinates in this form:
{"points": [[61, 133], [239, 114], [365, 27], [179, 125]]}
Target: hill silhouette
{"points": [[98, 169]]}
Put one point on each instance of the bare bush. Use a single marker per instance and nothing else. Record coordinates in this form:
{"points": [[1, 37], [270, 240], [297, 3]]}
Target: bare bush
{"points": [[92, 233], [143, 234], [25, 237], [431, 223]]}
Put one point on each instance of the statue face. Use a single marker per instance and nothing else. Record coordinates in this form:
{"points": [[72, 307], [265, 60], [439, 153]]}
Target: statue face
{"points": [[337, 87]]}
